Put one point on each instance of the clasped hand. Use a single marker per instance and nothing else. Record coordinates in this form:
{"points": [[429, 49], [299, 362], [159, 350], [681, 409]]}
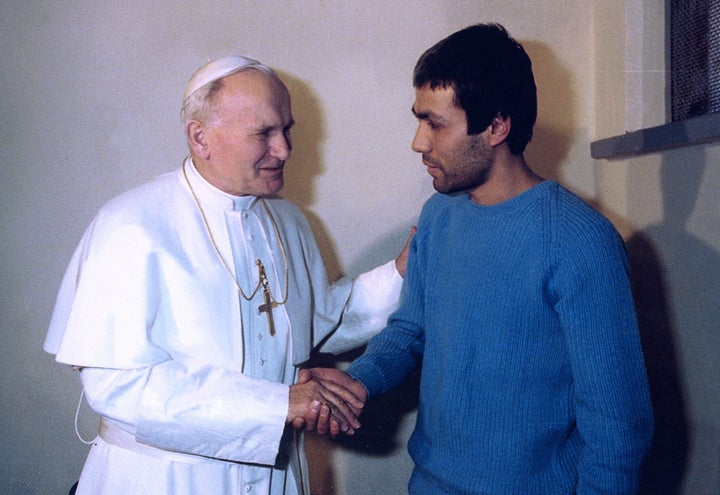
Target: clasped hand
{"points": [[326, 400]]}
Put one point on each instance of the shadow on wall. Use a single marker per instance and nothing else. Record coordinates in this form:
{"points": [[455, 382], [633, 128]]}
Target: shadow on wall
{"points": [[308, 136], [675, 280], [554, 131], [665, 464], [381, 417], [306, 163]]}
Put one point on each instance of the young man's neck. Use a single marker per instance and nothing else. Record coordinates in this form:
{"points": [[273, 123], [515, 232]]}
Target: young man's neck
{"points": [[510, 177]]}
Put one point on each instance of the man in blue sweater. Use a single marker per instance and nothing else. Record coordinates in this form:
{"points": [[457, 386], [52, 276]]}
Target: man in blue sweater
{"points": [[516, 304]]}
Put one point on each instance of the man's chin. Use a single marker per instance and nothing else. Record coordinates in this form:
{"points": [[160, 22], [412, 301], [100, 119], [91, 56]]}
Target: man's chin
{"points": [[448, 188], [441, 187], [274, 186]]}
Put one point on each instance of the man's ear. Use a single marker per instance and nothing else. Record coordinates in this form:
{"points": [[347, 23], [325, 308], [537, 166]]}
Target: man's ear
{"points": [[500, 129], [195, 133]]}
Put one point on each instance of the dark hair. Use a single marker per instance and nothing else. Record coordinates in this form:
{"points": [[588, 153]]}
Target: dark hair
{"points": [[491, 75]]}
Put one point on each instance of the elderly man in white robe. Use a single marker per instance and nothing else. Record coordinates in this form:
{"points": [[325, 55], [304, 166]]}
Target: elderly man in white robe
{"points": [[192, 302]]}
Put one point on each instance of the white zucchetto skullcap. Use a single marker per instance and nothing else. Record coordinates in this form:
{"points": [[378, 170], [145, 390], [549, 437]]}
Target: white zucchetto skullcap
{"points": [[219, 68]]}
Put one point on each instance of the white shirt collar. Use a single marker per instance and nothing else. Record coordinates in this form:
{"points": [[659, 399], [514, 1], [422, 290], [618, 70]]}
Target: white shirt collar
{"points": [[207, 193]]}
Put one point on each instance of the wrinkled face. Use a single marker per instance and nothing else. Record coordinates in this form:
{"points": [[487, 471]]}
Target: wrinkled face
{"points": [[457, 162], [248, 140]]}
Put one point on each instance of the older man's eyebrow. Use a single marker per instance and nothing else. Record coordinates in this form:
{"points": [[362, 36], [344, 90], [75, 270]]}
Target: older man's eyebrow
{"points": [[267, 129]]}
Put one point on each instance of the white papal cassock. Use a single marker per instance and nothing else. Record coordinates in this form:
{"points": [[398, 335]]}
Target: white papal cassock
{"points": [[160, 332]]}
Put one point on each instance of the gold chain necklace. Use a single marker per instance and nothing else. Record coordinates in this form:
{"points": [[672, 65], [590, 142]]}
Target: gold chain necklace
{"points": [[270, 302]]}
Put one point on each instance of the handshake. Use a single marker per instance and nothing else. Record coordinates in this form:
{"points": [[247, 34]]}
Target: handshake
{"points": [[326, 400]]}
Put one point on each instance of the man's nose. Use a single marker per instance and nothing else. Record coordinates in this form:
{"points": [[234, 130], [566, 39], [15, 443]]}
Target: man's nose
{"points": [[420, 143], [281, 146]]}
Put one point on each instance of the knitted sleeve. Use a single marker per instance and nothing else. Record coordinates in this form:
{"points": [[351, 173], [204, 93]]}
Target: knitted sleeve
{"points": [[397, 350], [611, 397]]}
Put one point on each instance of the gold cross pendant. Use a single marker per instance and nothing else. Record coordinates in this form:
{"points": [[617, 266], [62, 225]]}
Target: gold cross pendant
{"points": [[268, 303]]}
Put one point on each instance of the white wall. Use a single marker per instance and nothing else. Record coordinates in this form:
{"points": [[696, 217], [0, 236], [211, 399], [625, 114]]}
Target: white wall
{"points": [[89, 103]]}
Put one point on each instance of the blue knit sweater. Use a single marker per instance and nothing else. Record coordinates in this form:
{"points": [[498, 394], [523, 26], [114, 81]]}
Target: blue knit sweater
{"points": [[521, 317]]}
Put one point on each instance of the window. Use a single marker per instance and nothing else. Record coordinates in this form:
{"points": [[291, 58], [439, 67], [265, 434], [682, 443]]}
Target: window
{"points": [[693, 52], [694, 58]]}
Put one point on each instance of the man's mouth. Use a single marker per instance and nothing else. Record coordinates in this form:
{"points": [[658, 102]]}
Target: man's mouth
{"points": [[429, 163], [272, 170], [432, 167]]}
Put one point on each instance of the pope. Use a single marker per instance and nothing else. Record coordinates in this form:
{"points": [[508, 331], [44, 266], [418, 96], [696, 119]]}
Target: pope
{"points": [[192, 302]]}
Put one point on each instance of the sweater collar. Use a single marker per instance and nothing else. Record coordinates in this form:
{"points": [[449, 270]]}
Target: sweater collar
{"points": [[515, 202]]}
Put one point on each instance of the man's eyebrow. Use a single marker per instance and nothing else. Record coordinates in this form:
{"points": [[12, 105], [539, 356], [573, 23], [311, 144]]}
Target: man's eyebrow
{"points": [[428, 116], [269, 128], [420, 115]]}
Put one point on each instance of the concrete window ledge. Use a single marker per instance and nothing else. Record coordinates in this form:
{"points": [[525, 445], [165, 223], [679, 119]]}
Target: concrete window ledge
{"points": [[698, 130]]}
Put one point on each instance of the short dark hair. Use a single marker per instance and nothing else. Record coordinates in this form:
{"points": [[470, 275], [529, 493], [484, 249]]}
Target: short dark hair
{"points": [[491, 75]]}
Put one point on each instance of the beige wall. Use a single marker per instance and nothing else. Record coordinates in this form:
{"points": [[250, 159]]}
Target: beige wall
{"points": [[89, 96]]}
